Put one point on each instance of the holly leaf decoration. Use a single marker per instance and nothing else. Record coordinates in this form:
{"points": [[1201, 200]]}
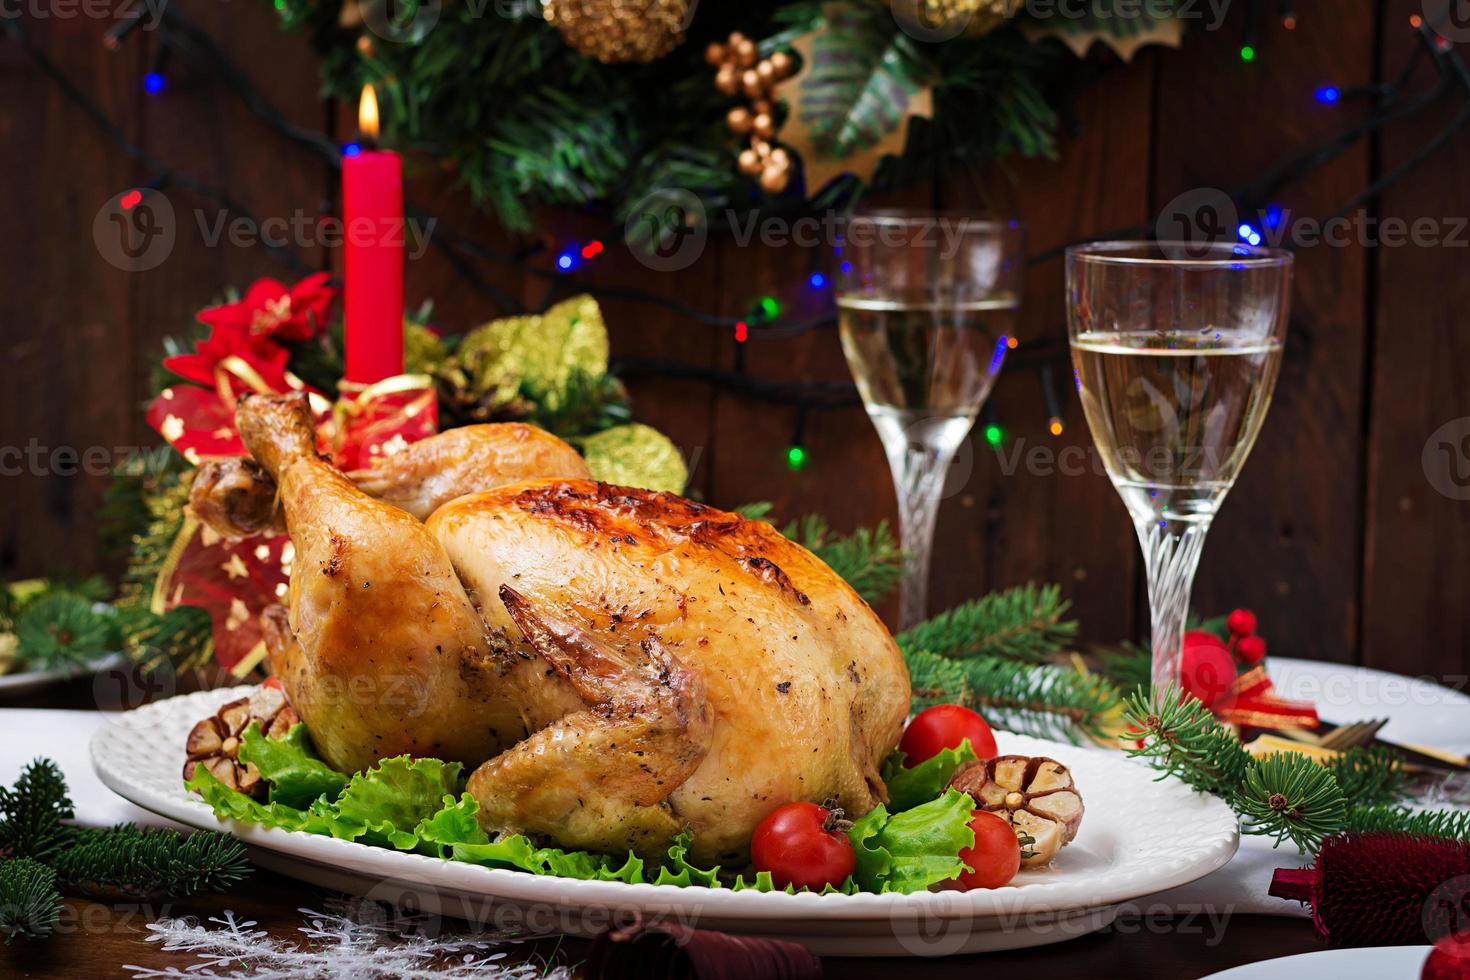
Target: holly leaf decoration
{"points": [[860, 82], [1125, 35]]}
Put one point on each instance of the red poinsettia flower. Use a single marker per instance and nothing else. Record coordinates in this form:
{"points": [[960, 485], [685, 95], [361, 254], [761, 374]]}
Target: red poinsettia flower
{"points": [[270, 309], [264, 357]]}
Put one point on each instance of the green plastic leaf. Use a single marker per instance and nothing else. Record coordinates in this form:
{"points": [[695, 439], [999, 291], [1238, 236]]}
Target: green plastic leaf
{"points": [[908, 788], [291, 767], [910, 851], [861, 74]]}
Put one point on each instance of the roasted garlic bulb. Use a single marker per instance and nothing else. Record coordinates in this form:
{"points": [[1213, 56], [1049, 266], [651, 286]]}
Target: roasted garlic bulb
{"points": [[1034, 794], [215, 741]]}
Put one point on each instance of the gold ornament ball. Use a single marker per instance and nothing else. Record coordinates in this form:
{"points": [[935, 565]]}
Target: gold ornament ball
{"points": [[751, 83], [739, 120], [750, 163], [761, 147], [780, 159], [764, 125], [782, 63], [761, 105], [773, 180], [766, 71], [613, 31], [746, 54], [365, 45], [973, 17], [715, 54]]}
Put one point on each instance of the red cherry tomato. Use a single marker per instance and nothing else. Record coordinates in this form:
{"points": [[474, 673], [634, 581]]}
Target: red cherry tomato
{"points": [[273, 681], [796, 846], [945, 726], [996, 856]]}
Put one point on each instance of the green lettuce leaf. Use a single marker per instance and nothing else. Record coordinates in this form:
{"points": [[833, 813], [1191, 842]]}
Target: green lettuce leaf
{"points": [[678, 871], [295, 774], [908, 788], [454, 824], [914, 849], [233, 805], [389, 800]]}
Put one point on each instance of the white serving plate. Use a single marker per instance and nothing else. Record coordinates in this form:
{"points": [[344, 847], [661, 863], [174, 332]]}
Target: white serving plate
{"points": [[22, 683], [1138, 837], [1405, 962]]}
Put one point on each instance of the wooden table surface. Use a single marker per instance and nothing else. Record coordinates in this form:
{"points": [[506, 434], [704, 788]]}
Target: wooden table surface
{"points": [[97, 939], [100, 939]]}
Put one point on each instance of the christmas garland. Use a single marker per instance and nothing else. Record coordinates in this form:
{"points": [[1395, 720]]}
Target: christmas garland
{"points": [[583, 102]]}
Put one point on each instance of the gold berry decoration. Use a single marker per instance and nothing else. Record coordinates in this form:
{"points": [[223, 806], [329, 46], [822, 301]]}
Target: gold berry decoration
{"points": [[618, 31], [1034, 794], [740, 72]]}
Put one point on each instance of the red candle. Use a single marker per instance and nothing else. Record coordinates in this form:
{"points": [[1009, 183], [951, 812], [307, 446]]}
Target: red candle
{"points": [[372, 217]]}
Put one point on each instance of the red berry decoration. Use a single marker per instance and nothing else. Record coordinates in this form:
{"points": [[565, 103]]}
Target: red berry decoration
{"points": [[1194, 638], [1449, 960], [1241, 622], [1252, 649], [1206, 671]]}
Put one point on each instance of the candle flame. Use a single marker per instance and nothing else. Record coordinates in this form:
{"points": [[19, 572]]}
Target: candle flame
{"points": [[367, 113]]}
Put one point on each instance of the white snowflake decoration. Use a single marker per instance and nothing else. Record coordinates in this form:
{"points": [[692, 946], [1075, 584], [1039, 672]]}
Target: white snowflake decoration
{"points": [[353, 940]]}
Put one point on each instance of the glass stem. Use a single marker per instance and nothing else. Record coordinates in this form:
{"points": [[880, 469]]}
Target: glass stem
{"points": [[1171, 551], [919, 458]]}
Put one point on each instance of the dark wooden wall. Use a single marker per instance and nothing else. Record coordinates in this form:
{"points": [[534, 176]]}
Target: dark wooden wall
{"points": [[1335, 534]]}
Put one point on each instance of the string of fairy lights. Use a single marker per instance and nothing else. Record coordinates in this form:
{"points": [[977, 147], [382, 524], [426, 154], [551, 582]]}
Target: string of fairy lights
{"points": [[562, 265]]}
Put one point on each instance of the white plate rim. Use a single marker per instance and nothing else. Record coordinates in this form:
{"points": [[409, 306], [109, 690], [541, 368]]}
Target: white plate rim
{"points": [[1215, 839]]}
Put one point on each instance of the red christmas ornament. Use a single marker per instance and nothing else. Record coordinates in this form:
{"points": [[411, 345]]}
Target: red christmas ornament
{"points": [[1252, 649], [1382, 889], [1241, 622], [1449, 960], [1206, 670]]}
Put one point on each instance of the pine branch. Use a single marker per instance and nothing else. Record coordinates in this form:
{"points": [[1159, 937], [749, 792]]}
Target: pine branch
{"points": [[128, 860], [1454, 824], [1024, 623], [1287, 795], [62, 629], [30, 905], [32, 811], [869, 560], [1044, 700], [1181, 738], [1369, 776]]}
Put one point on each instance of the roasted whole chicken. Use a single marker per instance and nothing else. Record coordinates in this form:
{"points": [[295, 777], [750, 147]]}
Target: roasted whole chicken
{"points": [[616, 664]]}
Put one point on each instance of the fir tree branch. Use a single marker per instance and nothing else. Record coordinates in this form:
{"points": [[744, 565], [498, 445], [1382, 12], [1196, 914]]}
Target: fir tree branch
{"points": [[1181, 738], [1287, 795], [1369, 776], [1454, 824], [1045, 700], [869, 560], [32, 811], [30, 905], [128, 860], [1024, 623]]}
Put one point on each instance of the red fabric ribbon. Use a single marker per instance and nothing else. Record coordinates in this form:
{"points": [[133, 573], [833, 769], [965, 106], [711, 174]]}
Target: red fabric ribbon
{"points": [[1252, 700]]}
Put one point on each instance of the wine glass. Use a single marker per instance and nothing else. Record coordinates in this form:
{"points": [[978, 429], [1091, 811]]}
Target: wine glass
{"points": [[1176, 348], [925, 302]]}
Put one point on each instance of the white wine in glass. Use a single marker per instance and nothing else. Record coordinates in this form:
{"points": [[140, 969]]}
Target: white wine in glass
{"points": [[925, 303], [1176, 356]]}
